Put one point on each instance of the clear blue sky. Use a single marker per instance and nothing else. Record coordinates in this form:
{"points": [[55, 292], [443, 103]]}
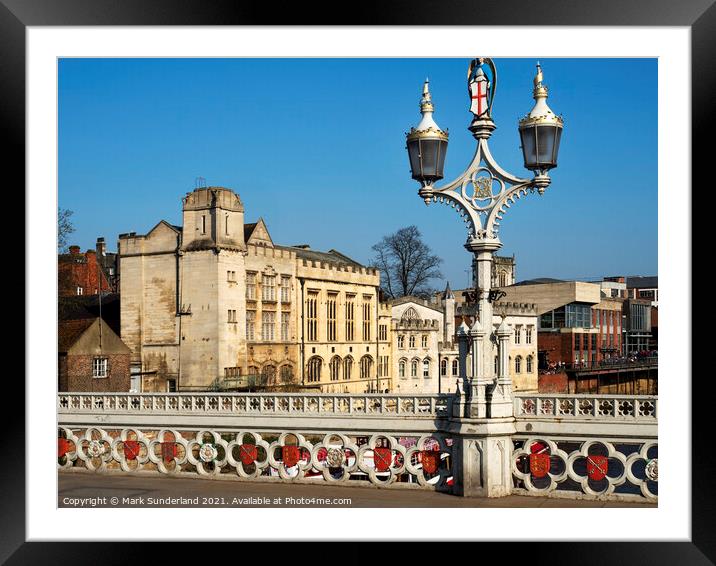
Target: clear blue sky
{"points": [[316, 147]]}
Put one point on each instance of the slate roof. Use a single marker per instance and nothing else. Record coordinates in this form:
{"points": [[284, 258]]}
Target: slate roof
{"points": [[69, 331], [331, 256], [639, 282]]}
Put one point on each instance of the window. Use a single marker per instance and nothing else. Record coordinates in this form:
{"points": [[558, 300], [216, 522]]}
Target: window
{"points": [[285, 289], [269, 374], [366, 365], [314, 369], [286, 373], [347, 368], [401, 368], [530, 361], [268, 320], [311, 316], [383, 332], [528, 335], [335, 368], [414, 368], [455, 367], [412, 342], [518, 332], [443, 366], [426, 368], [497, 364], [424, 342], [80, 290], [285, 318], [331, 317], [226, 224], [366, 318], [99, 367], [250, 324], [401, 341], [203, 224], [232, 372], [232, 315], [350, 318], [251, 286], [231, 276], [268, 287], [518, 364]]}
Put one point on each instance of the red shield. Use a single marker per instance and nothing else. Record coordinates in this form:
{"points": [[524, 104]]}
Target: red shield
{"points": [[290, 455], [597, 467], [248, 453], [131, 449], [63, 447], [539, 464], [322, 453], [382, 458], [431, 460], [538, 447], [169, 451]]}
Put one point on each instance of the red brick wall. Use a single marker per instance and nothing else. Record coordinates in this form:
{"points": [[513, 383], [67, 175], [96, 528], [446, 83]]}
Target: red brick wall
{"points": [[86, 275], [78, 374], [558, 346], [552, 383]]}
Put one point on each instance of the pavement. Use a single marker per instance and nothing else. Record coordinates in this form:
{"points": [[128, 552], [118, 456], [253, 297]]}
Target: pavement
{"points": [[82, 489]]}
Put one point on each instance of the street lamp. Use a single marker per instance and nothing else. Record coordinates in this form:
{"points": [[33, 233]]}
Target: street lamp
{"points": [[482, 194]]}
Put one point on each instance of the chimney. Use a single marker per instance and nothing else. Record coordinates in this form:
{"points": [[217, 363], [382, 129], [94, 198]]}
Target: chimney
{"points": [[100, 246], [74, 250]]}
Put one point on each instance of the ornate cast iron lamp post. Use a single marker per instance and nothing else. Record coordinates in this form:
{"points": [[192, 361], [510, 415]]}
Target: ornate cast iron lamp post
{"points": [[482, 195]]}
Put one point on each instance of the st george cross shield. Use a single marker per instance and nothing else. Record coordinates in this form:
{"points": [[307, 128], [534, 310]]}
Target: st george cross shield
{"points": [[248, 454], [131, 449], [478, 94], [63, 447], [290, 455], [431, 460], [597, 467], [169, 451], [382, 458], [539, 464]]}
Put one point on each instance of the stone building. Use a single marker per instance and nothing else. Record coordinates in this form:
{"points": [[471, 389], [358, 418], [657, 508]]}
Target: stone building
{"points": [[91, 357], [417, 332], [215, 302]]}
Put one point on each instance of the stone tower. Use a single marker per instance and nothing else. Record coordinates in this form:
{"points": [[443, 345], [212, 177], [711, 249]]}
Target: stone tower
{"points": [[448, 304], [212, 285]]}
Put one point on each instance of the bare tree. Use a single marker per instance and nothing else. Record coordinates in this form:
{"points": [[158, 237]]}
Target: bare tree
{"points": [[64, 229], [406, 263]]}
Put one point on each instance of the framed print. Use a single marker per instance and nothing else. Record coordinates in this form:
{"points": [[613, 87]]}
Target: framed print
{"points": [[245, 354]]}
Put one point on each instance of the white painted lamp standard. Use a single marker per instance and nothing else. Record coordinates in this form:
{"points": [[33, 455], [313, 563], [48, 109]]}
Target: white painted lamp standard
{"points": [[482, 195]]}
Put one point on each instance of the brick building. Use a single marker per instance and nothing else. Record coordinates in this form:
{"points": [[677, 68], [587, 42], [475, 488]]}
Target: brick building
{"points": [[80, 274], [91, 357]]}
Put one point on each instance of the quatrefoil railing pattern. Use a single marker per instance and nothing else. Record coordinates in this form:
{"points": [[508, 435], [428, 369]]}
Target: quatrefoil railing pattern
{"points": [[423, 460], [597, 468]]}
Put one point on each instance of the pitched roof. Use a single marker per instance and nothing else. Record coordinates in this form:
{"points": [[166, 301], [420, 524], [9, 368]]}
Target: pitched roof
{"points": [[331, 256], [248, 230], [69, 331]]}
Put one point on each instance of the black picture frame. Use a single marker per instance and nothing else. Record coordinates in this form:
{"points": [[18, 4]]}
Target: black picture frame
{"points": [[698, 15]]}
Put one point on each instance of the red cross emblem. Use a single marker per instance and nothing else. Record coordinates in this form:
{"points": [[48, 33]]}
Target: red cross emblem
{"points": [[248, 453], [290, 455], [539, 464], [63, 447], [169, 451], [382, 458], [478, 95], [131, 449], [321, 454], [597, 467], [431, 460]]}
